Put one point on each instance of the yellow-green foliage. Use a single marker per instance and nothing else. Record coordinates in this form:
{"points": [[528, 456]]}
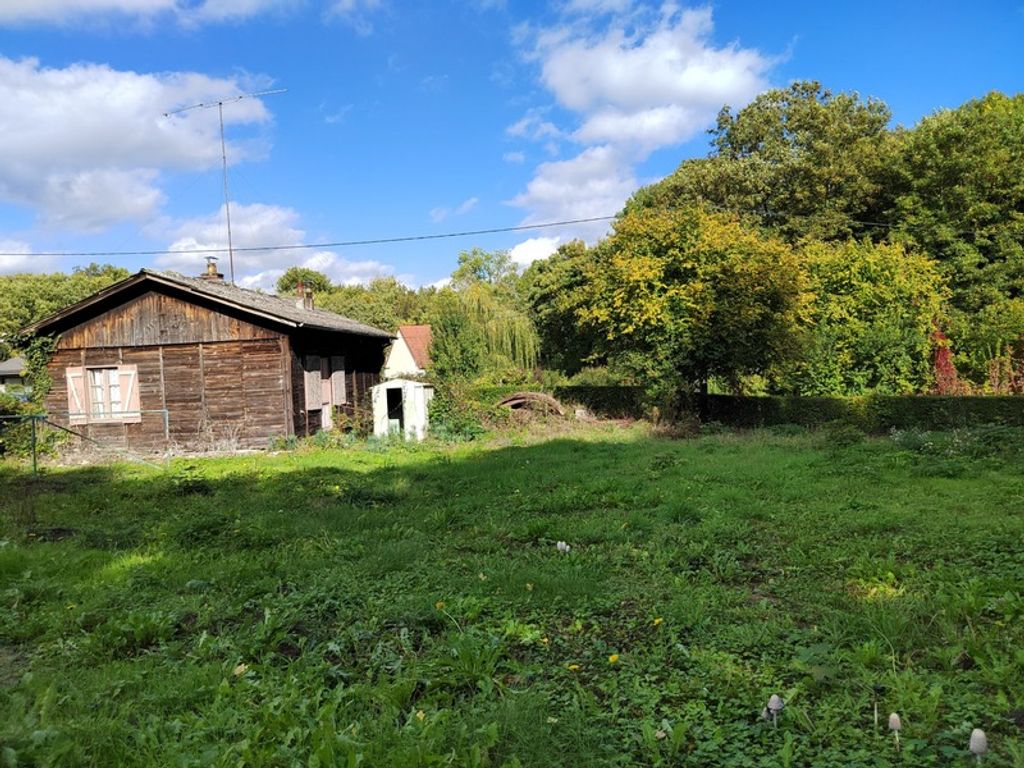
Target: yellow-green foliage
{"points": [[868, 316], [682, 295]]}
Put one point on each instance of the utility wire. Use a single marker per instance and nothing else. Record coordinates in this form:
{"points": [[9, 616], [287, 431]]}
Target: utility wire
{"points": [[443, 236], [338, 244]]}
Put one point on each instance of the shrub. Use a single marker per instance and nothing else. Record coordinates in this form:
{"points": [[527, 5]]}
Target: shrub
{"points": [[453, 416], [872, 413], [615, 402], [16, 430]]}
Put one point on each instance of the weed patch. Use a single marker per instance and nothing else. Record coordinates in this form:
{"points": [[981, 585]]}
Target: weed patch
{"points": [[377, 604]]}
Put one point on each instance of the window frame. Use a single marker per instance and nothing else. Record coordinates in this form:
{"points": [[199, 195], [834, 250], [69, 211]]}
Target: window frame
{"points": [[91, 401]]}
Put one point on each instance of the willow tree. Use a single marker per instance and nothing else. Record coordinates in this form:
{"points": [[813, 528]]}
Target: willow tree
{"points": [[479, 324]]}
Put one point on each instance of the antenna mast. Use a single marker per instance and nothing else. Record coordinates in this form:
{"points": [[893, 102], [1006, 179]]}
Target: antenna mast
{"points": [[224, 157]]}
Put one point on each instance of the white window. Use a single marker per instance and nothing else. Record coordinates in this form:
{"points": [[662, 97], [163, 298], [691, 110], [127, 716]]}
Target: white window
{"points": [[103, 393]]}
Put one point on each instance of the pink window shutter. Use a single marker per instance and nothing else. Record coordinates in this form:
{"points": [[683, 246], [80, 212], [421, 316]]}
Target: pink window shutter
{"points": [[128, 379], [78, 412], [338, 379], [314, 393]]}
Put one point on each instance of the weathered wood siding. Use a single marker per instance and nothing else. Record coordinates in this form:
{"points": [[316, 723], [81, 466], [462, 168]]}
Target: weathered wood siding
{"points": [[364, 359], [158, 319], [218, 395]]}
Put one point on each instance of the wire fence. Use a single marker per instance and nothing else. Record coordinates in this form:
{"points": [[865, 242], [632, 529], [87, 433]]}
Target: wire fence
{"points": [[38, 421]]}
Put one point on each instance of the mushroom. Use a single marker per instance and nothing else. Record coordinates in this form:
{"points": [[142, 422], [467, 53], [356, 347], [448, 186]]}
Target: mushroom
{"points": [[979, 743], [775, 705], [895, 724]]}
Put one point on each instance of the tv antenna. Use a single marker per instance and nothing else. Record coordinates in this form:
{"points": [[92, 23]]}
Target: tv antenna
{"points": [[224, 155]]}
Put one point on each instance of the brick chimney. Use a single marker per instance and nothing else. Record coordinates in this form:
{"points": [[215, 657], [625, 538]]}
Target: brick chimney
{"points": [[304, 296], [211, 270]]}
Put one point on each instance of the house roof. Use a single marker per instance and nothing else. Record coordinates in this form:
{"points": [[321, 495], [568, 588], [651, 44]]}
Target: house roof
{"points": [[280, 310], [15, 366], [417, 338]]}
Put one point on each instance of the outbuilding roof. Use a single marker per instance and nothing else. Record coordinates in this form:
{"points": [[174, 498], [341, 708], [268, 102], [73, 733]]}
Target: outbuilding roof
{"points": [[285, 311], [14, 366], [417, 338]]}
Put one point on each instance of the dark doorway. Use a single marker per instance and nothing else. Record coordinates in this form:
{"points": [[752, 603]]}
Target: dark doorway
{"points": [[395, 410]]}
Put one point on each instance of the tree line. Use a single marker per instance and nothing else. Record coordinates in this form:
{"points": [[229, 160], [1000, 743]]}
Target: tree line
{"points": [[816, 250]]}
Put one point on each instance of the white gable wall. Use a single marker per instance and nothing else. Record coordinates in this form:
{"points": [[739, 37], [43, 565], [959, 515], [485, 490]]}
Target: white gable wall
{"points": [[400, 362]]}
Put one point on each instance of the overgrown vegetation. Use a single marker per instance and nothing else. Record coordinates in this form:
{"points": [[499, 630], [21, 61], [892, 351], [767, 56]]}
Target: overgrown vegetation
{"points": [[408, 605]]}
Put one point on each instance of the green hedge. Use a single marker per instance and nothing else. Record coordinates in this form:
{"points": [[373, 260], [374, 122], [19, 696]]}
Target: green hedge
{"points": [[873, 413], [614, 402]]}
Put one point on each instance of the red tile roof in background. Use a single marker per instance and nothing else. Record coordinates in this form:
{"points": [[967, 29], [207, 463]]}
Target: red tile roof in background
{"points": [[417, 338]]}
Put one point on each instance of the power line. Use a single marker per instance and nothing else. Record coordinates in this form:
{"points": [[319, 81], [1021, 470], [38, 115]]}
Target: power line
{"points": [[414, 238], [337, 244]]}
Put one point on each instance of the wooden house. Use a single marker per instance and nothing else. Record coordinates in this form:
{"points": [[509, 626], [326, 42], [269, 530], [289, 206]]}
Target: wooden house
{"points": [[162, 360]]}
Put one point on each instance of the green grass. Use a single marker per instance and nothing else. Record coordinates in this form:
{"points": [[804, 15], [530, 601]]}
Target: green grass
{"points": [[407, 606]]}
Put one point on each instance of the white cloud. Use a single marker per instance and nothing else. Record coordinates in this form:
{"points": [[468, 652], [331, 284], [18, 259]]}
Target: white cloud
{"points": [[534, 127], [444, 282], [66, 12], [516, 158], [253, 226], [355, 13], [594, 183], [83, 146], [529, 251], [17, 256], [597, 6], [441, 213], [637, 80], [466, 206]]}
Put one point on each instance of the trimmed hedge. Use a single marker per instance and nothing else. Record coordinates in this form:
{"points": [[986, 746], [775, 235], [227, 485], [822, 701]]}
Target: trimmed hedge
{"points": [[872, 413], [613, 402]]}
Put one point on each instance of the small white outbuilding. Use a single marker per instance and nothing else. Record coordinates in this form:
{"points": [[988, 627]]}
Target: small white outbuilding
{"points": [[400, 408]]}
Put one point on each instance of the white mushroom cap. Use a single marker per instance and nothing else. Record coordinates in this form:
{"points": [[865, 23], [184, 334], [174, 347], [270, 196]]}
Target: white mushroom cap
{"points": [[775, 703], [979, 742], [765, 714], [895, 724]]}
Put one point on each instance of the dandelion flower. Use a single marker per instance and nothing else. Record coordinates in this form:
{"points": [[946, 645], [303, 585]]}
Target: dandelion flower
{"points": [[657, 622], [421, 715], [439, 605], [529, 586], [240, 670], [545, 641], [574, 667], [613, 659]]}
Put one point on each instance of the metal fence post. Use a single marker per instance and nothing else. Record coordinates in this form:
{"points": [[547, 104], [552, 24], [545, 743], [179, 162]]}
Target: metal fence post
{"points": [[35, 460]]}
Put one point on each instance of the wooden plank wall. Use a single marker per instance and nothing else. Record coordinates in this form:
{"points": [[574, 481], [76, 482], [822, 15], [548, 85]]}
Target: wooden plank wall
{"points": [[158, 319], [219, 395], [363, 362]]}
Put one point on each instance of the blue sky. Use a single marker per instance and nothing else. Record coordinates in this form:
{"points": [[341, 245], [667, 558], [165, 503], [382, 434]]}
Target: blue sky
{"points": [[414, 118]]}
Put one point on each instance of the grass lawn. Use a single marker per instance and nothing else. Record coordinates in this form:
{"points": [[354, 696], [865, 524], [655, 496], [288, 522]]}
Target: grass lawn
{"points": [[408, 606]]}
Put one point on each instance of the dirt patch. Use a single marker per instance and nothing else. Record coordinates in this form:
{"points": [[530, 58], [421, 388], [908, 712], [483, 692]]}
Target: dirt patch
{"points": [[13, 664]]}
